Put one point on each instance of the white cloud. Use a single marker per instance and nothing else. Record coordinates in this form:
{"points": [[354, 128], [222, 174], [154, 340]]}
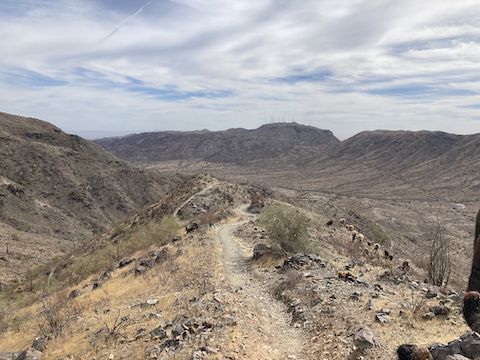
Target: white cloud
{"points": [[342, 65]]}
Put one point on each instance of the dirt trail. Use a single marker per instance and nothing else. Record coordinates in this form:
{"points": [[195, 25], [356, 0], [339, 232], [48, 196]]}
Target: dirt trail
{"points": [[201, 192], [264, 330]]}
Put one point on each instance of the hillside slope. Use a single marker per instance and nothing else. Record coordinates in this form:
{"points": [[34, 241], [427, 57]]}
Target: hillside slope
{"points": [[422, 164], [227, 291], [56, 188], [229, 146]]}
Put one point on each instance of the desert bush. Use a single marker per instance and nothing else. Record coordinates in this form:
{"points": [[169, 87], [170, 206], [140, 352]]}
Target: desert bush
{"points": [[113, 327], [103, 258], [286, 226], [440, 262], [55, 313]]}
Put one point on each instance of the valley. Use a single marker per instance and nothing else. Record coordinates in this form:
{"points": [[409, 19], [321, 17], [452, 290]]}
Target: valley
{"points": [[192, 256]]}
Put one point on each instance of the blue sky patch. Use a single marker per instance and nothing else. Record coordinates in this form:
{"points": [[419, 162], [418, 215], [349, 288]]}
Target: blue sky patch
{"points": [[28, 78]]}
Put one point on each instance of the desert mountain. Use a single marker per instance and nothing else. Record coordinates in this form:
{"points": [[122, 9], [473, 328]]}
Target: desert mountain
{"points": [[56, 188], [229, 146], [304, 157]]}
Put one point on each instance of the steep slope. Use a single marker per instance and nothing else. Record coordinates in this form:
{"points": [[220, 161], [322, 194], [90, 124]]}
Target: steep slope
{"points": [[56, 187], [202, 295], [404, 148], [230, 146]]}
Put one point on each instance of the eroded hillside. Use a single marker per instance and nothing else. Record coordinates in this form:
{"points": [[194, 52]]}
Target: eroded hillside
{"points": [[57, 189], [155, 286]]}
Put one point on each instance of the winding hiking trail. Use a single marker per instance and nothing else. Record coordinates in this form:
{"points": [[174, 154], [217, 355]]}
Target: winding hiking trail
{"points": [[263, 330], [201, 192], [263, 325]]}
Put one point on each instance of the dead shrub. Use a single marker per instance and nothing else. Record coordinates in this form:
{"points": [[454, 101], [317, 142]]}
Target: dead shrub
{"points": [[440, 262], [55, 313], [286, 226], [112, 328]]}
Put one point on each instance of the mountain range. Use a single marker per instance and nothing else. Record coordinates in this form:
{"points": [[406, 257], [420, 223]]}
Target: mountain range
{"points": [[422, 163]]}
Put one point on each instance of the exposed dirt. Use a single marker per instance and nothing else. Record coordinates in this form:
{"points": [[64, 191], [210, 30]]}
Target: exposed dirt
{"points": [[265, 327]]}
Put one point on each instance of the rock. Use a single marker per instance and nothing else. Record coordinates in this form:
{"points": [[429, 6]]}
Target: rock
{"points": [[329, 223], [140, 270], [191, 227], [382, 317], [140, 333], [124, 262], [209, 350], [177, 330], [412, 352], [162, 255], [431, 293], [356, 296], [365, 338], [300, 260], [96, 284], [428, 316], [74, 294], [7, 356], [468, 346], [347, 276], [261, 250], [456, 357], [40, 343], [105, 276], [146, 262], [30, 354], [152, 302], [158, 333], [440, 310], [198, 355]]}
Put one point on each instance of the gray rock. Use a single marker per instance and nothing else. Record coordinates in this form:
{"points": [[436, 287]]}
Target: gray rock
{"points": [[162, 255], [140, 270], [8, 356], [30, 354], [440, 310], [74, 294], [428, 316], [158, 333], [456, 357], [177, 330], [431, 293], [382, 317], [365, 338], [470, 345], [146, 262], [125, 262], [261, 250], [40, 343], [96, 285]]}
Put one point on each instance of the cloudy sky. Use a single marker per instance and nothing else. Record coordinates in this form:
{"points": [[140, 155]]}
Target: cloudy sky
{"points": [[347, 65]]}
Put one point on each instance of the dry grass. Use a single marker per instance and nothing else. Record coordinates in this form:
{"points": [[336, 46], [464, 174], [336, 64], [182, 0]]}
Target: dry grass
{"points": [[98, 329]]}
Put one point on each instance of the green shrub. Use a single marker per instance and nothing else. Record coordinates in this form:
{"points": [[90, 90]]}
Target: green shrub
{"points": [[286, 226]]}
